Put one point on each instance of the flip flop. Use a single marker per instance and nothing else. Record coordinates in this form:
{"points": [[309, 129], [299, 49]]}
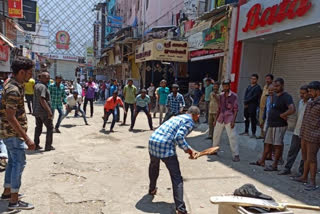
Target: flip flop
{"points": [[271, 169], [311, 187], [257, 163], [297, 179]]}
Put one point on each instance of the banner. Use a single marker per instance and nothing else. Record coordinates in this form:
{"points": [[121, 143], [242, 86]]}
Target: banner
{"points": [[162, 50], [28, 22], [216, 34], [4, 53], [15, 9], [62, 40]]}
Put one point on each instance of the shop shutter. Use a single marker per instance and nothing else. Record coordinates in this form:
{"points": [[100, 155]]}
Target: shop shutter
{"points": [[66, 69], [298, 63]]}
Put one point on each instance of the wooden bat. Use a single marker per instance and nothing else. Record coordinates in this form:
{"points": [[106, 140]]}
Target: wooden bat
{"points": [[254, 202], [209, 151]]}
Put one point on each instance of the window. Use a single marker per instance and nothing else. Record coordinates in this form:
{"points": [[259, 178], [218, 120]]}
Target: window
{"points": [[147, 4]]}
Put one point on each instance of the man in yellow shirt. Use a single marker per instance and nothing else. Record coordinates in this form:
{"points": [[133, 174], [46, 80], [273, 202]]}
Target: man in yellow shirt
{"points": [[29, 91]]}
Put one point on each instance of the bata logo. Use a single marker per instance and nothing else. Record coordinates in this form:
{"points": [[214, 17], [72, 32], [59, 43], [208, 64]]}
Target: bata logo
{"points": [[287, 9]]}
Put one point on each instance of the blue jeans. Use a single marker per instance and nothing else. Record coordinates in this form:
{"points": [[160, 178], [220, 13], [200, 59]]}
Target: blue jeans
{"points": [[61, 113], [16, 163], [3, 150], [76, 108]]}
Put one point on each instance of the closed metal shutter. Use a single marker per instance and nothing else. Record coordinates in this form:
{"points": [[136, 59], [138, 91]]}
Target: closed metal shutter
{"points": [[66, 69], [298, 63]]}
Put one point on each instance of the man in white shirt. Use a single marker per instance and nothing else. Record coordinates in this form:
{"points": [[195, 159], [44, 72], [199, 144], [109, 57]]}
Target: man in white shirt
{"points": [[296, 138], [73, 103]]}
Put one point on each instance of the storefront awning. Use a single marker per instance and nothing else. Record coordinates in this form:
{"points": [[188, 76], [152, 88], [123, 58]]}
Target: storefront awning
{"points": [[6, 40]]}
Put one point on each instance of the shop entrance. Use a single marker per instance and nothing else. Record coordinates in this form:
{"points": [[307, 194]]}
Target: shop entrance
{"points": [[199, 69]]}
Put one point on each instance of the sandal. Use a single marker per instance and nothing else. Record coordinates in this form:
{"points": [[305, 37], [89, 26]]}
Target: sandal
{"points": [[297, 179], [271, 169], [257, 163], [311, 187]]}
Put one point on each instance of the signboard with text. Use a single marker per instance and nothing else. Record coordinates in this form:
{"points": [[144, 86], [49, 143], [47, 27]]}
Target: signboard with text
{"points": [[162, 50], [259, 17], [15, 9], [62, 40]]}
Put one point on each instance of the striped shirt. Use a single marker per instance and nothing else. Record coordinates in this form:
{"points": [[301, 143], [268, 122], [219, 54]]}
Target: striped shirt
{"points": [[163, 141]]}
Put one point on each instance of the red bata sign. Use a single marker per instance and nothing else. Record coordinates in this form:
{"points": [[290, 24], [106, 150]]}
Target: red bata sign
{"points": [[287, 9], [15, 9]]}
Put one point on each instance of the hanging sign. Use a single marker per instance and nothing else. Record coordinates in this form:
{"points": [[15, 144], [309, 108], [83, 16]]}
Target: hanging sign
{"points": [[15, 9]]}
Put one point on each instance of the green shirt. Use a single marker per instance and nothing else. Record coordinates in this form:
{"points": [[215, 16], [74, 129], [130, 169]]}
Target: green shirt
{"points": [[130, 94], [163, 95], [208, 91]]}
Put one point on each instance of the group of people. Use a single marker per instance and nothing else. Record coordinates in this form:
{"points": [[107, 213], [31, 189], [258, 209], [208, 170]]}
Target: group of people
{"points": [[172, 104], [274, 104]]}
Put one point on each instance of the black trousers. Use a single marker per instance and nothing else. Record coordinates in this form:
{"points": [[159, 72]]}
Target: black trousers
{"points": [[38, 131], [127, 106], [106, 117], [145, 110], [250, 115], [86, 100], [29, 99], [172, 165], [169, 115], [293, 153]]}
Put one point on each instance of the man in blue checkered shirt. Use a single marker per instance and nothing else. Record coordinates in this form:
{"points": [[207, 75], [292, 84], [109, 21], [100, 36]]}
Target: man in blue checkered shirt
{"points": [[175, 103], [162, 146]]}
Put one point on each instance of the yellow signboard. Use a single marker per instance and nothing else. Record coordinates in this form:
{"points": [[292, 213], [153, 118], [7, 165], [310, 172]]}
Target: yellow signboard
{"points": [[162, 50]]}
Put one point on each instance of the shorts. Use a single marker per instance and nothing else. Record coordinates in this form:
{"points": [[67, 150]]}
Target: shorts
{"points": [[275, 135], [312, 151]]}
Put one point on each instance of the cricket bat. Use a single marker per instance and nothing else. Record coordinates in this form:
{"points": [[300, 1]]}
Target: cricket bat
{"points": [[209, 151], [254, 202]]}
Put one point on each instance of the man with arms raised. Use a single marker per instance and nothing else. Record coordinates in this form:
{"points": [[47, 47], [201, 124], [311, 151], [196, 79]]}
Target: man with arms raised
{"points": [[13, 131]]}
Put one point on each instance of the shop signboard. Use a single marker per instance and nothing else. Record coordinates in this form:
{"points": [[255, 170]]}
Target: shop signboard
{"points": [[62, 57], [204, 52], [162, 50], [216, 34], [15, 9], [260, 17]]}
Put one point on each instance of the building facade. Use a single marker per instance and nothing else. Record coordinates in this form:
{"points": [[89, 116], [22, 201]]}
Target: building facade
{"points": [[285, 43]]}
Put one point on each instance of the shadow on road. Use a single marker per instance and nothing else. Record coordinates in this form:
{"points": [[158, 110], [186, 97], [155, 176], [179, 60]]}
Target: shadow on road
{"points": [[68, 126], [251, 150], [146, 204]]}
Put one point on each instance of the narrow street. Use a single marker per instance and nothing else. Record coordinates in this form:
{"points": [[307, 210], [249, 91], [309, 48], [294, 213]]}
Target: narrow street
{"points": [[93, 171]]}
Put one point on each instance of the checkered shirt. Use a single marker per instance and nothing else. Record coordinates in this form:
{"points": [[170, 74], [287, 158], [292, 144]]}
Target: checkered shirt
{"points": [[163, 141], [310, 128], [58, 95], [175, 103]]}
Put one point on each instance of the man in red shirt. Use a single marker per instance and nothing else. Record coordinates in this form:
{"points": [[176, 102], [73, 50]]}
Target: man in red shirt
{"points": [[110, 108]]}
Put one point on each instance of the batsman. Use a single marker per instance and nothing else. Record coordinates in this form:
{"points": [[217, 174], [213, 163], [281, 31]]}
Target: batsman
{"points": [[162, 146]]}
